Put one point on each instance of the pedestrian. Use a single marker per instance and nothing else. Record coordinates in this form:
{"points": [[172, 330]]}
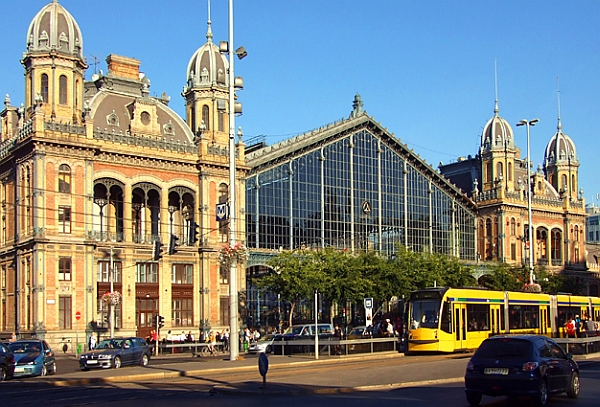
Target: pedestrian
{"points": [[390, 328], [189, 337], [92, 341], [577, 322], [590, 327], [570, 328], [13, 337], [225, 340], [211, 342]]}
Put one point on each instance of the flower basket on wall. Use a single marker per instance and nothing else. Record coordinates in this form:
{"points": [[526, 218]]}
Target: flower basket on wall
{"points": [[532, 288], [237, 252], [113, 298]]}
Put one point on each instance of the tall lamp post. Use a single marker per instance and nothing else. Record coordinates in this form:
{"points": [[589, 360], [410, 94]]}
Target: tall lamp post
{"points": [[234, 83], [528, 124]]}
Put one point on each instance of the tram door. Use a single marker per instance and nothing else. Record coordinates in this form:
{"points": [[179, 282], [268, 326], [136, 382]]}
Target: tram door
{"points": [[495, 324], [460, 326], [543, 328]]}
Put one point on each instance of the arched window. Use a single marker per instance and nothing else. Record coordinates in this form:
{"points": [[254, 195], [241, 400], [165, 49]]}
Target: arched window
{"points": [[206, 117], [499, 169], [489, 173], [555, 250], [44, 89], [513, 227], [509, 172], [573, 186], [221, 121], [564, 183], [64, 179], [62, 90]]}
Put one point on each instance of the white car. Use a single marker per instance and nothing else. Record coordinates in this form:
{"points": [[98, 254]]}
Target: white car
{"points": [[263, 345]]}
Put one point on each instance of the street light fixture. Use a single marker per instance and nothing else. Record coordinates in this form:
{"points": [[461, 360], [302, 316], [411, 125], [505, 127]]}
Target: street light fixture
{"points": [[528, 124]]}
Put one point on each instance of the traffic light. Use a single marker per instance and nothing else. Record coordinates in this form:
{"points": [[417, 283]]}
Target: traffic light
{"points": [[160, 321], [173, 244], [107, 319], [194, 233], [157, 250], [155, 321]]}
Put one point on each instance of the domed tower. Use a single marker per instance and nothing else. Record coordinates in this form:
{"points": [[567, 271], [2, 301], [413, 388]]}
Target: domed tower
{"points": [[561, 164], [207, 92], [54, 65], [498, 152]]}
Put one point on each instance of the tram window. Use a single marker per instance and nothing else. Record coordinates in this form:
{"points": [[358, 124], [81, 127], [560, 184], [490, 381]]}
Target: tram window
{"points": [[424, 314], [564, 313], [446, 324], [478, 317], [523, 316]]}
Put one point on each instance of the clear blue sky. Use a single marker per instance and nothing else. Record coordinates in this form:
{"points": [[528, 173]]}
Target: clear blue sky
{"points": [[424, 69]]}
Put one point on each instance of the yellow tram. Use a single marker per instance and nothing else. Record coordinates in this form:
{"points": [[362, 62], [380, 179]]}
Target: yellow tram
{"points": [[457, 319]]}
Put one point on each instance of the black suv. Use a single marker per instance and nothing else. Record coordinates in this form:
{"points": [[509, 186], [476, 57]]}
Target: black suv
{"points": [[521, 365]]}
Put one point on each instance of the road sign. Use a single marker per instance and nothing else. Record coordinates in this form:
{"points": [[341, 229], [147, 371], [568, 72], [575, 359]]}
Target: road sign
{"points": [[78, 315], [222, 212], [368, 303]]}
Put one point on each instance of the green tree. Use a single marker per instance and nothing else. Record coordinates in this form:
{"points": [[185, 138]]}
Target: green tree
{"points": [[296, 276]]}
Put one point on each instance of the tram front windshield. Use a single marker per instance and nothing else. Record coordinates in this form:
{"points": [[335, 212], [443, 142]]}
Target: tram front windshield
{"points": [[424, 313]]}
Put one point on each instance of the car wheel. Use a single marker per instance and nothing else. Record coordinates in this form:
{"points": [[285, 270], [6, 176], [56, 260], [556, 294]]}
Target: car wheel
{"points": [[85, 369], [268, 349], [473, 398], [44, 370], [542, 397], [2, 373], [117, 362], [53, 371], [573, 390], [145, 360]]}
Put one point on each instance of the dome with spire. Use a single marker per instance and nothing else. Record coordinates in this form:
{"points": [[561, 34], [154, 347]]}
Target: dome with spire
{"points": [[208, 66], [497, 134], [560, 149], [53, 28]]}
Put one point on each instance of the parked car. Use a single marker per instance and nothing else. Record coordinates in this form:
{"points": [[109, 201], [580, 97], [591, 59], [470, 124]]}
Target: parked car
{"points": [[33, 357], [116, 352], [306, 331], [263, 345], [7, 363], [521, 365]]}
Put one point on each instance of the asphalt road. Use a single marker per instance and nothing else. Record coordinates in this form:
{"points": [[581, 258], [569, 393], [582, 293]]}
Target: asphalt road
{"points": [[398, 381]]}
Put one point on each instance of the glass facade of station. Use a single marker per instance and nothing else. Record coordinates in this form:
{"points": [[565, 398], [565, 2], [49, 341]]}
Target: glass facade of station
{"points": [[356, 192]]}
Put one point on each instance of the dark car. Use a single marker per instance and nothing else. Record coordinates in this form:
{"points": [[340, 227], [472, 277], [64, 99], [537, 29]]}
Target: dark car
{"points": [[116, 352], [521, 365], [33, 357], [7, 363]]}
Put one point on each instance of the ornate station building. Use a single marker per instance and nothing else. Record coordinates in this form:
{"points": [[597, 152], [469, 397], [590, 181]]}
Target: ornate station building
{"points": [[95, 172]]}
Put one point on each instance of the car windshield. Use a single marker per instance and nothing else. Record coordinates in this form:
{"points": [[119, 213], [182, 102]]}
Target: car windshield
{"points": [[25, 347], [109, 344], [505, 348], [266, 338]]}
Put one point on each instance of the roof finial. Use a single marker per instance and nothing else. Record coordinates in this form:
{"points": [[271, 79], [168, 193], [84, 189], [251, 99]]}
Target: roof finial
{"points": [[209, 34], [496, 110], [559, 127]]}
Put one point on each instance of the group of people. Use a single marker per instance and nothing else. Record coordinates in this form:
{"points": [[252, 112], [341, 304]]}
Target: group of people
{"points": [[580, 328], [248, 336]]}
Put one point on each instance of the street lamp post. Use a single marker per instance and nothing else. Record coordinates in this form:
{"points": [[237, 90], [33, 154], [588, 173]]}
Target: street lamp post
{"points": [[234, 83], [528, 124]]}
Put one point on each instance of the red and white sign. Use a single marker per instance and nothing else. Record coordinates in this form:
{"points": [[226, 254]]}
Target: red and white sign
{"points": [[78, 315]]}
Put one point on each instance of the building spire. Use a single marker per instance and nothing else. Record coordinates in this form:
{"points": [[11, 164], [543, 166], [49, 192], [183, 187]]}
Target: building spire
{"points": [[559, 126], [209, 34], [496, 109]]}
